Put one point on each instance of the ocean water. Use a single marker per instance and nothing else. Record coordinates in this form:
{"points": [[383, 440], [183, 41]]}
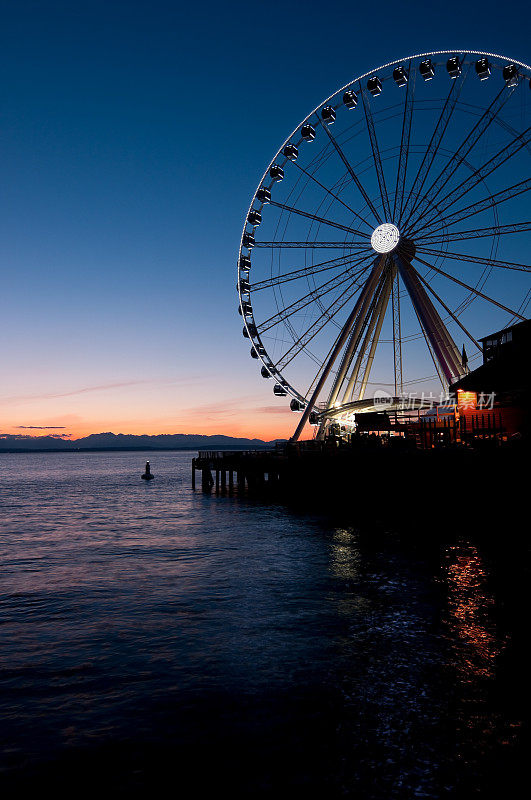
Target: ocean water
{"points": [[152, 636]]}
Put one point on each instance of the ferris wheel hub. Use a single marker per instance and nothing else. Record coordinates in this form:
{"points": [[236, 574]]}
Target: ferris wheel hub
{"points": [[385, 238]]}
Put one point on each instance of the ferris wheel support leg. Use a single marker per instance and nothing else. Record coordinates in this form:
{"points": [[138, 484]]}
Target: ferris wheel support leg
{"points": [[372, 287], [364, 304], [359, 359], [363, 301], [397, 333], [365, 346], [384, 300], [442, 343]]}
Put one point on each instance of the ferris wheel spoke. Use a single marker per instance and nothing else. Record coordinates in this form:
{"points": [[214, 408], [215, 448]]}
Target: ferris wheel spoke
{"points": [[307, 299], [317, 326], [332, 194], [432, 149], [477, 233], [451, 313], [471, 210], [485, 262], [404, 143], [311, 245], [479, 175], [302, 302], [304, 272], [472, 138], [377, 159], [316, 218], [470, 288], [353, 175]]}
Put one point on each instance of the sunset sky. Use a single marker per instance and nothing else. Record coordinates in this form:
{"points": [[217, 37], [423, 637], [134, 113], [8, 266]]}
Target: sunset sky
{"points": [[133, 135]]}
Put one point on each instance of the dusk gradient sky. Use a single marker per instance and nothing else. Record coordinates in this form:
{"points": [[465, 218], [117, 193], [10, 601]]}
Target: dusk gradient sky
{"points": [[133, 135]]}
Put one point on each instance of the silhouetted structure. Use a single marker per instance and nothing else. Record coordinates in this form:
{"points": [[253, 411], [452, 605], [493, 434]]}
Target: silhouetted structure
{"points": [[503, 378]]}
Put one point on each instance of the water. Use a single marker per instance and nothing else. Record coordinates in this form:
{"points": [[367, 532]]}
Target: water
{"points": [[153, 634]]}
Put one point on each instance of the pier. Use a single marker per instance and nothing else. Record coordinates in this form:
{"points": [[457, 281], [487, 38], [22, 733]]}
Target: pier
{"points": [[373, 474]]}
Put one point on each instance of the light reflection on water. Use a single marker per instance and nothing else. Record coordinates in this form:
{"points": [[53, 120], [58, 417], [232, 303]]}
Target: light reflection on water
{"points": [[481, 727], [143, 624], [470, 605]]}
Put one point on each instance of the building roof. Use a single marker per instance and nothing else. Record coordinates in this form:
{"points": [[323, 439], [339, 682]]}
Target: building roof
{"points": [[521, 327]]}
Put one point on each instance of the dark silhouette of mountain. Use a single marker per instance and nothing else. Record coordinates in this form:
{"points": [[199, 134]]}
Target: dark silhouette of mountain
{"points": [[126, 441]]}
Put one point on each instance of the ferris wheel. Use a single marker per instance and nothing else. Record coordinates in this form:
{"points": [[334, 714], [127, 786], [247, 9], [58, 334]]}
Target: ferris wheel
{"points": [[391, 231]]}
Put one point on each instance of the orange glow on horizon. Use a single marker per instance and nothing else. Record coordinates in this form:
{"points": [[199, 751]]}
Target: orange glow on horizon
{"points": [[146, 409], [250, 428]]}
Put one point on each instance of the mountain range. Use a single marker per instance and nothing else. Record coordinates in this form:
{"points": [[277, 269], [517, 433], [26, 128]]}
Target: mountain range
{"points": [[126, 441]]}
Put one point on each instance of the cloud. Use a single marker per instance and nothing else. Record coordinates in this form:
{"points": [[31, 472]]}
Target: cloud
{"points": [[24, 437], [223, 409], [41, 427], [102, 387]]}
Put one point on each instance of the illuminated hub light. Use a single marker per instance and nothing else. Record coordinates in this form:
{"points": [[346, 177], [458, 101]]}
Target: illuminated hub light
{"points": [[385, 238]]}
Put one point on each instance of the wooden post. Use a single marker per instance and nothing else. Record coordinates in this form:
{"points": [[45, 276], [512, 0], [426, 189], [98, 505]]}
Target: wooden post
{"points": [[231, 480], [193, 474], [206, 480], [217, 479], [223, 479]]}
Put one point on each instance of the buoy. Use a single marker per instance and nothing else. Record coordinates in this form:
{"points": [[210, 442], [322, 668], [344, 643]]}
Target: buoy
{"points": [[147, 476]]}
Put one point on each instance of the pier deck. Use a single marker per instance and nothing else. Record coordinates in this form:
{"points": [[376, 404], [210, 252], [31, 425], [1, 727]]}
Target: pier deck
{"points": [[443, 480]]}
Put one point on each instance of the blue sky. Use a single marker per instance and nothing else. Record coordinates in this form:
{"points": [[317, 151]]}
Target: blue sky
{"points": [[133, 135]]}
